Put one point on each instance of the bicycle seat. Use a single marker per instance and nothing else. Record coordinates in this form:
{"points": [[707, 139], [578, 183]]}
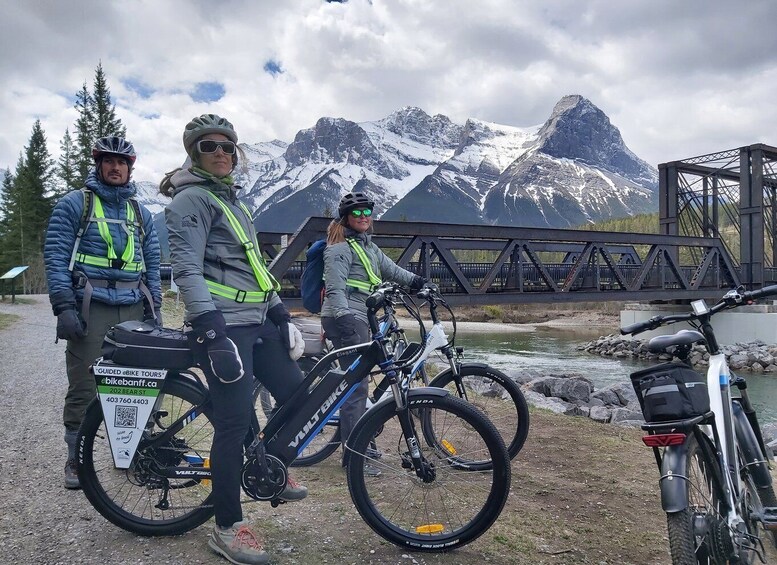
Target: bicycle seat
{"points": [[684, 338]]}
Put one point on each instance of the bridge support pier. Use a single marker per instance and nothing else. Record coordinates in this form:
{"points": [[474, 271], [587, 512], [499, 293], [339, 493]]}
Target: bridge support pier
{"points": [[746, 324]]}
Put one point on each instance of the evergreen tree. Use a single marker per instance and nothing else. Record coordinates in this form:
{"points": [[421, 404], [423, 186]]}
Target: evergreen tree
{"points": [[103, 110], [27, 210], [85, 136], [66, 169]]}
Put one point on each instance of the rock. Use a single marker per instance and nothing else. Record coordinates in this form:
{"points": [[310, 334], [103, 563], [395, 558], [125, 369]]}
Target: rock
{"points": [[553, 404], [600, 414], [625, 414]]}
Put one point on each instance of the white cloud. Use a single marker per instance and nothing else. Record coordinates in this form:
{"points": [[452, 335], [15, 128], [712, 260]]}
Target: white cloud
{"points": [[678, 79]]}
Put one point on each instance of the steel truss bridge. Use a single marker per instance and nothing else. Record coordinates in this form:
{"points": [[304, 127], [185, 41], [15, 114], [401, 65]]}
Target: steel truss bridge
{"points": [[501, 265], [717, 218], [728, 195]]}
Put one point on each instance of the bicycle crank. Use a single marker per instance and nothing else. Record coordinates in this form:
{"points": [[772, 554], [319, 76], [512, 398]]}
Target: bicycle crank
{"points": [[263, 483]]}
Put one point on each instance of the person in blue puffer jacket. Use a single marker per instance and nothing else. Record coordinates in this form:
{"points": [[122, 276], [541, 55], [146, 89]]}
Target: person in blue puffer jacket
{"points": [[102, 267]]}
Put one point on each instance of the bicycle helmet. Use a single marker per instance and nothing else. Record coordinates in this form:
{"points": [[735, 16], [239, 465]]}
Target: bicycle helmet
{"points": [[353, 200], [203, 125], [114, 145]]}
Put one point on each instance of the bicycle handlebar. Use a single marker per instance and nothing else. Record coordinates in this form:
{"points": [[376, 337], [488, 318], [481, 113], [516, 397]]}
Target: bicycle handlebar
{"points": [[732, 299]]}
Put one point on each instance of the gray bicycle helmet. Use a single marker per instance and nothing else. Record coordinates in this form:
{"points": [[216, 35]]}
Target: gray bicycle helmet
{"points": [[203, 125], [353, 200], [114, 145]]}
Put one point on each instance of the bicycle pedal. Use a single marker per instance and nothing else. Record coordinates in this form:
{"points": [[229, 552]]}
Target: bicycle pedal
{"points": [[275, 502], [769, 518]]}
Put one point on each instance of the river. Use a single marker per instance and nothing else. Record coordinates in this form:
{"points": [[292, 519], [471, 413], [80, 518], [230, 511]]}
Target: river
{"points": [[551, 350]]}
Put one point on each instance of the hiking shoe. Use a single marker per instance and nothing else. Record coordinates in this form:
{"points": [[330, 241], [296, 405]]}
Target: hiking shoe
{"points": [[293, 491], [371, 470], [238, 544], [372, 453], [71, 475]]}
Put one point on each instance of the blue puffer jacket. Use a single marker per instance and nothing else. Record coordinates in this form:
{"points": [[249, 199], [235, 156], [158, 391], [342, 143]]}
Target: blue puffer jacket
{"points": [[61, 236]]}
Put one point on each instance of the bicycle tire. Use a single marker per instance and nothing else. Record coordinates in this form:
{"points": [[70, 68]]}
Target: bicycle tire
{"points": [[454, 508], [686, 544], [497, 396], [130, 498]]}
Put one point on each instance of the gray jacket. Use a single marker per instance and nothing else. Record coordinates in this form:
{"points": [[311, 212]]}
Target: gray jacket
{"points": [[203, 245], [341, 263]]}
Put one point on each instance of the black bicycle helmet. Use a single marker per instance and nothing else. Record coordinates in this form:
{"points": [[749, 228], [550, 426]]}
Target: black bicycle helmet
{"points": [[114, 145], [354, 200], [203, 125]]}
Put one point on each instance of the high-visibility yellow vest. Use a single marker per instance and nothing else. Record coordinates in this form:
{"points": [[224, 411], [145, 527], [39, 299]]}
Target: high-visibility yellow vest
{"points": [[374, 280], [126, 263], [267, 283]]}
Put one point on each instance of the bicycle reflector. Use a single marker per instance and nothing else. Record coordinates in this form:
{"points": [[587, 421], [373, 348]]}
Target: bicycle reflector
{"points": [[663, 440], [430, 529]]}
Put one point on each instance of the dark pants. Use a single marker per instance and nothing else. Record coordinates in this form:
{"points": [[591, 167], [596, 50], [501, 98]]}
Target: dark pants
{"points": [[233, 406], [356, 404], [81, 353]]}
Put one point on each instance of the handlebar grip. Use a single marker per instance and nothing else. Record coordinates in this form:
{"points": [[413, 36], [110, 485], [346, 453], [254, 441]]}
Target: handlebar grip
{"points": [[640, 327], [761, 293]]}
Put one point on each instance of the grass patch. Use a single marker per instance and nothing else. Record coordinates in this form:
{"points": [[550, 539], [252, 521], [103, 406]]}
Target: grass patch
{"points": [[7, 319]]}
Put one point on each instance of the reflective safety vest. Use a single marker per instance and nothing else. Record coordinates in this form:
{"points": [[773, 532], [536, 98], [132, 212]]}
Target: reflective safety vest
{"points": [[126, 262], [267, 283], [375, 280]]}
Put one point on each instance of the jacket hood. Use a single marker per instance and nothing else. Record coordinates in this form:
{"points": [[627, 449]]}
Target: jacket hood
{"points": [[185, 178], [109, 193]]}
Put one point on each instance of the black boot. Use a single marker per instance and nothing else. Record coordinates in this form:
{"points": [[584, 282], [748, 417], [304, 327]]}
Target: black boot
{"points": [[71, 469]]}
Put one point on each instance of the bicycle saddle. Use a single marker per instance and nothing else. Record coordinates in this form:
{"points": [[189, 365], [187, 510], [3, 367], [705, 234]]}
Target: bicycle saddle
{"points": [[683, 338]]}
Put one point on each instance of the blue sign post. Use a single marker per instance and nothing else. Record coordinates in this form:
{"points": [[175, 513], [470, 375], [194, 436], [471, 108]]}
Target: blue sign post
{"points": [[11, 275]]}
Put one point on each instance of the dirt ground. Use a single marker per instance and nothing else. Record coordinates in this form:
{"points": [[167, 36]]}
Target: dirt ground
{"points": [[582, 492]]}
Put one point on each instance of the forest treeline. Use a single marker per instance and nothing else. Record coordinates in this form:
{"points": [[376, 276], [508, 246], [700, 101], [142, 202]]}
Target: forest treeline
{"points": [[28, 193]]}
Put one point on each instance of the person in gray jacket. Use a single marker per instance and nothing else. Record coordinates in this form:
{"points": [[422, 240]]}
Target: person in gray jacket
{"points": [[242, 328], [353, 267]]}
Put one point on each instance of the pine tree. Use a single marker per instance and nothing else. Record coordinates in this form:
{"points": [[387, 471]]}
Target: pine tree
{"points": [[27, 210], [66, 169], [103, 110], [84, 135]]}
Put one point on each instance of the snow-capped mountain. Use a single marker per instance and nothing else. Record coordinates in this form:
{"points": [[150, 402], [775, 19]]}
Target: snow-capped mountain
{"points": [[571, 170]]}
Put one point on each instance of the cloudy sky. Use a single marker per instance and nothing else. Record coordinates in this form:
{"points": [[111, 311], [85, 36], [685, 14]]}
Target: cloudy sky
{"points": [[678, 78]]}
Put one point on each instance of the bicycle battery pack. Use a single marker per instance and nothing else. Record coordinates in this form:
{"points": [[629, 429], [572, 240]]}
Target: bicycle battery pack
{"points": [[671, 391], [138, 344]]}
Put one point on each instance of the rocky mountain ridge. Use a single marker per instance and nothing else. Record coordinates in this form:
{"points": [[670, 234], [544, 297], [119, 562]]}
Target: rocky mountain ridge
{"points": [[571, 170]]}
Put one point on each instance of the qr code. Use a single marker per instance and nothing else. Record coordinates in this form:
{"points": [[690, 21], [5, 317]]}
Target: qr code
{"points": [[126, 417]]}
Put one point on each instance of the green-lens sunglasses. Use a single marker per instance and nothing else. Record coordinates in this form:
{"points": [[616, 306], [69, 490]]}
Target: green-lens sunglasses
{"points": [[366, 212]]}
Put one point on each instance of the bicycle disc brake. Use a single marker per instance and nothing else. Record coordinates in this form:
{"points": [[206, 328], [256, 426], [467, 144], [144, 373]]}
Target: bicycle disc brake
{"points": [[263, 485]]}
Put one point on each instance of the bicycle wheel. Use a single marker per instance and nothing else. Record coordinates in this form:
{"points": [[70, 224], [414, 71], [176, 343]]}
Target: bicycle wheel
{"points": [[139, 499], [453, 506], [699, 533], [496, 395]]}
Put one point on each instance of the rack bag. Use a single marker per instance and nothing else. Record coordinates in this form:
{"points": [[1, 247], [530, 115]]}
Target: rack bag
{"points": [[671, 391], [137, 344]]}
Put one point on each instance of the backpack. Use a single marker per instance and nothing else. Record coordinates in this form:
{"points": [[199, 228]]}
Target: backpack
{"points": [[312, 281]]}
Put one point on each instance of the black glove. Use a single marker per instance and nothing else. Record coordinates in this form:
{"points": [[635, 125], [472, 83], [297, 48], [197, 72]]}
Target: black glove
{"points": [[210, 330], [418, 282], [155, 318], [70, 325], [347, 326]]}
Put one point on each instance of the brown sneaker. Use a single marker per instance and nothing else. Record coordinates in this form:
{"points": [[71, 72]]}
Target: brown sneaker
{"points": [[238, 544], [71, 475], [293, 491]]}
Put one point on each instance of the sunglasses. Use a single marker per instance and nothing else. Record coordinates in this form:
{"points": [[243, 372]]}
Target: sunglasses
{"points": [[210, 146], [359, 213]]}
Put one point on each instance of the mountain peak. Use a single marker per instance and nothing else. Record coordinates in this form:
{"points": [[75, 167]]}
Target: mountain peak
{"points": [[579, 130], [412, 122]]}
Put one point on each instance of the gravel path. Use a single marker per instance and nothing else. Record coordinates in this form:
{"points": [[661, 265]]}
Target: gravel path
{"points": [[40, 521]]}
